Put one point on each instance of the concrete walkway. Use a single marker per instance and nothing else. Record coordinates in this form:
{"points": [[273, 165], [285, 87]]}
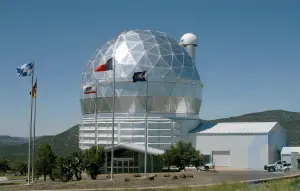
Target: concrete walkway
{"points": [[3, 178]]}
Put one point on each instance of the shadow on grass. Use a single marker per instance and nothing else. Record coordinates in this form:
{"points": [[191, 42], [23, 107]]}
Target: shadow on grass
{"points": [[8, 183]]}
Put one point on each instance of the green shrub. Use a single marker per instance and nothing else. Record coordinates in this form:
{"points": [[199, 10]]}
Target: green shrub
{"points": [[55, 174]]}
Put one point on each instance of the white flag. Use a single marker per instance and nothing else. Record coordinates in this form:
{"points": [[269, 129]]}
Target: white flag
{"points": [[89, 89]]}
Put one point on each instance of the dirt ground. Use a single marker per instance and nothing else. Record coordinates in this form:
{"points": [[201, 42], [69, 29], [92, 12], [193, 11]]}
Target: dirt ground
{"points": [[102, 182]]}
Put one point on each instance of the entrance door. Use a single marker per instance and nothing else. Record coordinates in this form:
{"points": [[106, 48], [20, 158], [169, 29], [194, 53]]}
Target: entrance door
{"points": [[126, 166], [123, 165], [221, 158]]}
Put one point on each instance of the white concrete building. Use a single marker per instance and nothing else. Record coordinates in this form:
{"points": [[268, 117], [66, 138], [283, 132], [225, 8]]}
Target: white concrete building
{"points": [[241, 144], [286, 153]]}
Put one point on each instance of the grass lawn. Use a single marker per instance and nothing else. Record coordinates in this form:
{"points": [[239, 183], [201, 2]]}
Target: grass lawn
{"points": [[278, 185], [12, 177], [275, 185]]}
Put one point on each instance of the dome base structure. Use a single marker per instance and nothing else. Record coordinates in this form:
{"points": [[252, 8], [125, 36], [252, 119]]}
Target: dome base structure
{"points": [[162, 132]]}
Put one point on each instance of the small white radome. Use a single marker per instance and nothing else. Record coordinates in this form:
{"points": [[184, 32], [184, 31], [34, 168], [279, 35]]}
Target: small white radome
{"points": [[189, 39]]}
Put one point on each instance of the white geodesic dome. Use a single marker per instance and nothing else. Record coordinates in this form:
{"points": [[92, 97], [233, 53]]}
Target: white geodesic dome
{"points": [[173, 80]]}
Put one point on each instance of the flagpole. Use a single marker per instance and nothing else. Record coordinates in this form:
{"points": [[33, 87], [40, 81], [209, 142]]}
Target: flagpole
{"points": [[146, 128], [113, 114], [113, 126], [33, 142], [96, 120], [30, 126]]}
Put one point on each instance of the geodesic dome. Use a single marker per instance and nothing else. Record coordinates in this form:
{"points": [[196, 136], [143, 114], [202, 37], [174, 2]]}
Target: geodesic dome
{"points": [[173, 83]]}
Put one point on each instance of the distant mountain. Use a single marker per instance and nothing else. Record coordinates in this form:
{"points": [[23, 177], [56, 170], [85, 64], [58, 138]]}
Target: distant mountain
{"points": [[62, 144], [67, 141], [6, 140]]}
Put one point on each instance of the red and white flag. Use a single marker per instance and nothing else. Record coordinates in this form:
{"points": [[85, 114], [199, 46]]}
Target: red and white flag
{"points": [[89, 89]]}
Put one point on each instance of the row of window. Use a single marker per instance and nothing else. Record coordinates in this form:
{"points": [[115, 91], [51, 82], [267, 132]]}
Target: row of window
{"points": [[107, 140], [162, 125], [161, 146], [131, 133]]}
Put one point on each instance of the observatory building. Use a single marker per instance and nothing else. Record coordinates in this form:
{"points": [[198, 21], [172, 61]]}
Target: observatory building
{"points": [[168, 96], [145, 84]]}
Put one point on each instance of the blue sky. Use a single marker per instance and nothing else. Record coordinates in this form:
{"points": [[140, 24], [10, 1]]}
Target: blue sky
{"points": [[248, 54]]}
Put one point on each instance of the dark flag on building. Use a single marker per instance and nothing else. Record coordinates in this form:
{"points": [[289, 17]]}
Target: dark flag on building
{"points": [[139, 76]]}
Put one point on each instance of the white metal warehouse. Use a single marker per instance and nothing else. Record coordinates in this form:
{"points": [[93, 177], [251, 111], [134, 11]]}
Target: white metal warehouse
{"points": [[286, 153], [247, 145]]}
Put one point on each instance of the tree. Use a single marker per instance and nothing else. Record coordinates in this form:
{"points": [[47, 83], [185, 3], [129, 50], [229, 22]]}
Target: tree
{"points": [[3, 165], [168, 157], [182, 154], [77, 164], [46, 161], [64, 169], [94, 160], [197, 159], [19, 167]]}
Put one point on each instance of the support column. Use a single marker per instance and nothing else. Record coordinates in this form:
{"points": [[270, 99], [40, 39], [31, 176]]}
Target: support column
{"points": [[152, 163], [119, 135]]}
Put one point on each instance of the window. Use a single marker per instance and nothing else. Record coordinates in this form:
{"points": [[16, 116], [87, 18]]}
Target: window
{"points": [[126, 132], [126, 139], [165, 139], [138, 139], [165, 133], [153, 133]]}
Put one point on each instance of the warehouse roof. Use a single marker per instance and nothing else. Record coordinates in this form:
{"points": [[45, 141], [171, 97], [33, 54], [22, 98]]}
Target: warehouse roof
{"points": [[203, 126], [137, 148], [240, 128], [289, 150]]}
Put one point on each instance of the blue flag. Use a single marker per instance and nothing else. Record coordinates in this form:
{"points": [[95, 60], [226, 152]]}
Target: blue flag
{"points": [[25, 70]]}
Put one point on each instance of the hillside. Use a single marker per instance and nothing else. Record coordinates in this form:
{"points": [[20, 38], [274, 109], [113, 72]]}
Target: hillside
{"points": [[63, 143], [6, 140], [67, 142]]}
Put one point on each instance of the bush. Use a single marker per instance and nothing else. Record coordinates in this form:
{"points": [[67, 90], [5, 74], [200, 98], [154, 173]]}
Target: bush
{"points": [[151, 177], [175, 177], [136, 175], [126, 180], [167, 175]]}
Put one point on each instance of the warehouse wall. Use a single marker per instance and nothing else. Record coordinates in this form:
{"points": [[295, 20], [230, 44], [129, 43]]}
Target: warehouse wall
{"points": [[277, 140], [246, 151]]}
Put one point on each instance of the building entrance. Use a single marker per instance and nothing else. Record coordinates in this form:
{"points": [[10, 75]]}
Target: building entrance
{"points": [[124, 165]]}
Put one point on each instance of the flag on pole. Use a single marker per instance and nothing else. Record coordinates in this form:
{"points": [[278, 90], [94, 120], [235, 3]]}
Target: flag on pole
{"points": [[25, 70], [33, 91], [139, 76], [105, 67], [89, 89]]}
